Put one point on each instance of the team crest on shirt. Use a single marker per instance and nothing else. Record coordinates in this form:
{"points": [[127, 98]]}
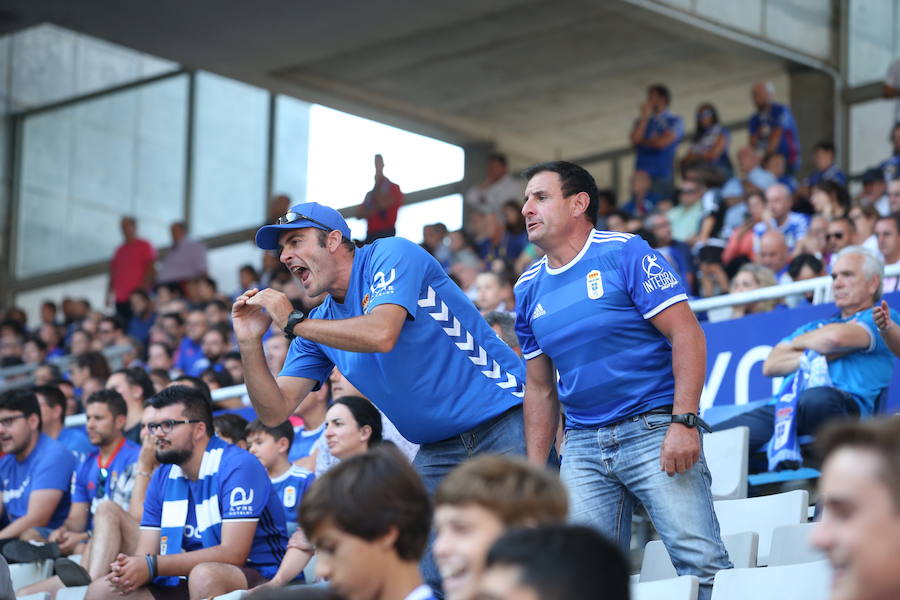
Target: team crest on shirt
{"points": [[365, 302], [290, 496], [594, 284]]}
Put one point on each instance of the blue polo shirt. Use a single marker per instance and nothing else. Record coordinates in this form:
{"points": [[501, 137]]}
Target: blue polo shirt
{"points": [[591, 317], [49, 466], [659, 162], [448, 372]]}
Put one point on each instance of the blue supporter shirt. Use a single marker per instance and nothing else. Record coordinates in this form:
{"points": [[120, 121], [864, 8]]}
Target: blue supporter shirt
{"points": [[659, 162], [448, 371], [591, 317], [891, 168], [832, 173], [244, 493], [119, 479], [49, 466], [793, 229], [304, 442], [863, 373], [189, 352], [778, 116], [290, 487], [76, 440]]}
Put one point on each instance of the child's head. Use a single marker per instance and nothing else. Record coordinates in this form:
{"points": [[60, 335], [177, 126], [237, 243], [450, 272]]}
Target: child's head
{"points": [[230, 427], [269, 444]]}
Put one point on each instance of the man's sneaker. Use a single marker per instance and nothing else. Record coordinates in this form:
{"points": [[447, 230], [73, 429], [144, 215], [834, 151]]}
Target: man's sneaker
{"points": [[70, 572], [19, 551]]}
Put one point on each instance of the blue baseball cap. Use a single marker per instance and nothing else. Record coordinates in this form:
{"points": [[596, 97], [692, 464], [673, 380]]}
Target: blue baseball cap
{"points": [[308, 214]]}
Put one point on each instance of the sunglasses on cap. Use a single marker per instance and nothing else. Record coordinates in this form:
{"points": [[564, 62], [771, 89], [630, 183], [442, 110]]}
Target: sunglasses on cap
{"points": [[291, 216]]}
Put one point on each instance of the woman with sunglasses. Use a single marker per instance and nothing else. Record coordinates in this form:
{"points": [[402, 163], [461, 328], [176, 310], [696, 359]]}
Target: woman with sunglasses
{"points": [[710, 141]]}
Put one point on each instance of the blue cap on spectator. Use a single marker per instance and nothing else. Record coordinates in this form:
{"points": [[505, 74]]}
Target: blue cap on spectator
{"points": [[308, 214]]}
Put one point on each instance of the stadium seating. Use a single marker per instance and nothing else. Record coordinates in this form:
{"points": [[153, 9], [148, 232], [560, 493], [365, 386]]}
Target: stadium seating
{"points": [[762, 515], [656, 564], [679, 588], [790, 545], [806, 581], [726, 453], [72, 593], [23, 574]]}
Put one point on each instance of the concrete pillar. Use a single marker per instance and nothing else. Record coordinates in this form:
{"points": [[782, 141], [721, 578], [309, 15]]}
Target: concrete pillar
{"points": [[475, 166], [812, 102]]}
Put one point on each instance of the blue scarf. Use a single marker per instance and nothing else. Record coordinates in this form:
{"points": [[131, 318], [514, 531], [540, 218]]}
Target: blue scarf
{"points": [[784, 446], [176, 506]]}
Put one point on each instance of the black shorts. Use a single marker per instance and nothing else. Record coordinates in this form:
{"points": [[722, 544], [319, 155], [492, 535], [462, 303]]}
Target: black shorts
{"points": [[182, 592]]}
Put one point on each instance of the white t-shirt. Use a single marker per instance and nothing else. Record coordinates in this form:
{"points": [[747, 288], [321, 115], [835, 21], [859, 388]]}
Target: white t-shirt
{"points": [[892, 78]]}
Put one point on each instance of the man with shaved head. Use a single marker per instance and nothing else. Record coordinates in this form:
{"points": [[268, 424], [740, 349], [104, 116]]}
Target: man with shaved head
{"points": [[773, 253], [792, 225], [772, 128]]}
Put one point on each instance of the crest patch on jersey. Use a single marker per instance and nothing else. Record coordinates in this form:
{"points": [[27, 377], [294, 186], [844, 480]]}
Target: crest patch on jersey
{"points": [[594, 284]]}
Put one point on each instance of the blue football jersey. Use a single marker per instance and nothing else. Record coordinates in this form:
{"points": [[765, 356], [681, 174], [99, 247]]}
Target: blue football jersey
{"points": [[290, 487], [49, 466]]}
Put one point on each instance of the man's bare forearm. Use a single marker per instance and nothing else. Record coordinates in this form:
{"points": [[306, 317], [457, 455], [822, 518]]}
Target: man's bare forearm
{"points": [[267, 399]]}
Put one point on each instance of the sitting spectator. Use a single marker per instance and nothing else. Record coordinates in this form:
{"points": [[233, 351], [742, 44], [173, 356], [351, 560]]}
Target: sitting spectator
{"points": [[775, 164], [271, 445], [80, 342], [369, 542], [830, 200], [47, 373], [497, 188], [840, 235], [191, 348], [218, 314], [504, 325], [752, 277], [36, 471], [893, 193], [826, 169], [231, 361], [492, 288], [87, 366], [477, 502], [864, 219], [655, 137], [185, 260], [34, 351], [465, 269], [887, 230], [214, 344], [53, 421], [235, 547], [135, 386], [159, 356], [248, 278], [677, 253], [202, 289], [304, 448], [499, 243], [143, 316], [51, 336], [803, 267], [874, 192], [741, 241], [111, 331], [751, 176], [554, 562], [774, 254], [859, 492], [792, 225], [685, 217], [890, 168], [815, 241], [434, 237], [861, 364], [642, 201], [232, 428], [773, 128], [710, 142]]}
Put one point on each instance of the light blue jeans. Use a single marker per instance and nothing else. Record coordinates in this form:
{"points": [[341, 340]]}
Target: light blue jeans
{"points": [[609, 470]]}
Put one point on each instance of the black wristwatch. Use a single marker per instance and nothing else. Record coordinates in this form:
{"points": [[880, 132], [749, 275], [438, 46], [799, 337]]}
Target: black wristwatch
{"points": [[295, 317], [690, 420]]}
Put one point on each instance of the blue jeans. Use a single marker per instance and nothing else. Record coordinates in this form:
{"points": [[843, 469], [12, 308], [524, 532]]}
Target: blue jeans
{"points": [[504, 434], [815, 407], [609, 470]]}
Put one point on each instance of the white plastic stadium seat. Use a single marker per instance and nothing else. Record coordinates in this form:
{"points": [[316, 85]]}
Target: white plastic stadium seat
{"points": [[727, 455], [656, 565], [38, 596], [762, 515], [72, 593], [806, 581], [790, 545], [679, 588], [22, 574]]}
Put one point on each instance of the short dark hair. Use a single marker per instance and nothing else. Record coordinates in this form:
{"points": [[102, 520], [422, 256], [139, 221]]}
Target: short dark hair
{"points": [[804, 260], [166, 348], [895, 217], [560, 562], [217, 303], [174, 316], [824, 145], [364, 413], [499, 157], [195, 404], [95, 363], [285, 430], [41, 344], [112, 399], [232, 426], [221, 376], [24, 401], [138, 377], [115, 321], [573, 179], [662, 90], [880, 436], [196, 383], [54, 397], [369, 494]]}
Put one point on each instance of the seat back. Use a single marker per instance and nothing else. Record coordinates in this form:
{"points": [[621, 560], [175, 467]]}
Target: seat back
{"points": [[656, 564], [679, 588], [727, 455], [790, 545], [762, 515], [809, 581]]}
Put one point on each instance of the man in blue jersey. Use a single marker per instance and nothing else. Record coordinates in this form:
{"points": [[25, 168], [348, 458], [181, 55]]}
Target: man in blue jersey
{"points": [[772, 127], [860, 364], [53, 421], [210, 513], [35, 474], [397, 327], [610, 316], [655, 138]]}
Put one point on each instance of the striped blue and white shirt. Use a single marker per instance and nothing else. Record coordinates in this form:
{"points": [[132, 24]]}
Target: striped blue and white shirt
{"points": [[591, 317]]}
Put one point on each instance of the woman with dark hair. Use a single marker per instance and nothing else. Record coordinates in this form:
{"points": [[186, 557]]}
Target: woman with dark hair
{"points": [[830, 200], [89, 365], [710, 141], [352, 426]]}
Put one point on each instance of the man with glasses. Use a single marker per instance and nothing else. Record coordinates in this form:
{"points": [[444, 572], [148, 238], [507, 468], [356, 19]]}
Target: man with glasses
{"points": [[35, 474], [107, 473], [838, 236], [860, 364], [210, 513]]}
